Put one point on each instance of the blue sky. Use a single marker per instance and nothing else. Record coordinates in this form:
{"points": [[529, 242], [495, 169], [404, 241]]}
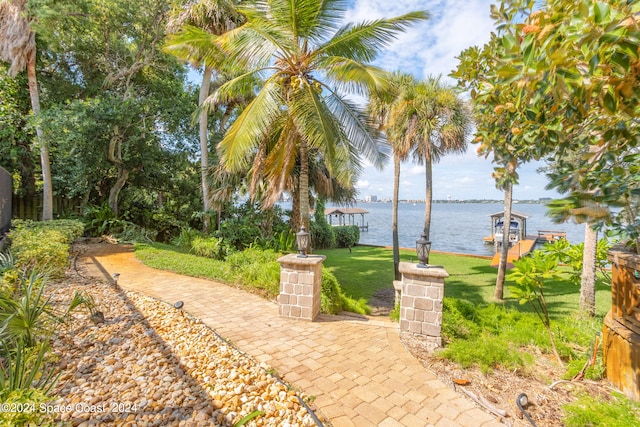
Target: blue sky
{"points": [[430, 48]]}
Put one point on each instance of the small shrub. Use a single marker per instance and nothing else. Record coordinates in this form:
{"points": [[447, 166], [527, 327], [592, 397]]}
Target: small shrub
{"points": [[331, 301], [458, 320], [185, 237], [210, 247], [488, 352], [256, 268], [322, 236], [394, 315], [26, 382], [347, 236], [44, 244]]}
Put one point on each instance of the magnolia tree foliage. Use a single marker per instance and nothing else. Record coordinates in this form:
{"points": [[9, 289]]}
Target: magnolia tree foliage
{"points": [[561, 83]]}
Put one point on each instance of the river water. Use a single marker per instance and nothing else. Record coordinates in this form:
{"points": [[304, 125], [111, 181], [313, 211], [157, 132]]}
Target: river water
{"points": [[455, 227]]}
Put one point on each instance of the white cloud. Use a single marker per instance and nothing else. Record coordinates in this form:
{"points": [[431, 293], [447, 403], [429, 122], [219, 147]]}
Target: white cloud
{"points": [[431, 48], [362, 184]]}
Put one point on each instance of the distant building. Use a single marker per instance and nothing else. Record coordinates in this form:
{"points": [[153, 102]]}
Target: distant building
{"points": [[371, 198]]}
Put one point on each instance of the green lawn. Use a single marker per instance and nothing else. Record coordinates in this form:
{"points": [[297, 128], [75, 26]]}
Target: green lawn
{"points": [[365, 270]]}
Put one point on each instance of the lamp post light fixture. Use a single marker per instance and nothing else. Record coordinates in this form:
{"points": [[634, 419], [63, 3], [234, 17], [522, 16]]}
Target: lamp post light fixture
{"points": [[302, 238], [423, 247]]}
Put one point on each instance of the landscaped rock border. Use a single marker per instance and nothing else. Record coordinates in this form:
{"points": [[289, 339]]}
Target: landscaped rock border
{"points": [[150, 364]]}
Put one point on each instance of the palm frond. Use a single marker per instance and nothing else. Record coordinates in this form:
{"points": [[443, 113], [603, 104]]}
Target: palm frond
{"points": [[240, 86], [251, 127], [356, 127], [355, 76], [314, 121], [363, 41], [196, 46], [214, 16], [255, 43]]}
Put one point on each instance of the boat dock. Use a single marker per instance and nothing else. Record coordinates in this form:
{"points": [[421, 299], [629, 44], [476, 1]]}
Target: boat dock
{"points": [[346, 216], [520, 242]]}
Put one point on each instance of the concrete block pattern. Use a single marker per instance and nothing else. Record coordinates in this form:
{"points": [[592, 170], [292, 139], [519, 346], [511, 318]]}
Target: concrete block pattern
{"points": [[300, 286], [422, 290]]}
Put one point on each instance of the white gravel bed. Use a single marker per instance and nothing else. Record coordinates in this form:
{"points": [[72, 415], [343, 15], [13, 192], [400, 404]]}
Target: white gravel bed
{"points": [[149, 365]]}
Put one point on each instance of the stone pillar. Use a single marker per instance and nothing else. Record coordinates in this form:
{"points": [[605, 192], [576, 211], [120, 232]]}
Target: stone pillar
{"points": [[421, 301], [300, 286]]}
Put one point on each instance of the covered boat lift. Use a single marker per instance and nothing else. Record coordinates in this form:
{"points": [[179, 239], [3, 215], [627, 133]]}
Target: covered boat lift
{"points": [[346, 216]]}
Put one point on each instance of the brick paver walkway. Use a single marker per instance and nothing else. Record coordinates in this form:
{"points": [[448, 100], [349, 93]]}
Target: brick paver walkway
{"points": [[356, 367]]}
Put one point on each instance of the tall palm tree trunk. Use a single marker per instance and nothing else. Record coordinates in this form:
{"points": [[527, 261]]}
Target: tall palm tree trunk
{"points": [[204, 149], [394, 216], [588, 280], [47, 191], [304, 188], [506, 221], [429, 194]]}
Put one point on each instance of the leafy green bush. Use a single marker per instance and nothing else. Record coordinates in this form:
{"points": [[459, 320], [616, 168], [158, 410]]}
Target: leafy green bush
{"points": [[210, 247], [256, 268], [331, 297], [333, 300], [322, 236], [247, 224], [185, 237], [347, 236], [44, 244], [458, 320]]}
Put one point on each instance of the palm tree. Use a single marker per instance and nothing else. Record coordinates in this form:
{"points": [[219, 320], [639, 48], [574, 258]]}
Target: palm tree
{"points": [[309, 62], [214, 17], [440, 123], [18, 47], [385, 110]]}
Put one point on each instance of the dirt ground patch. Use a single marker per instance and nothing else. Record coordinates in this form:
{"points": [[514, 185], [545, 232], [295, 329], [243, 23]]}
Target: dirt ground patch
{"points": [[500, 389]]}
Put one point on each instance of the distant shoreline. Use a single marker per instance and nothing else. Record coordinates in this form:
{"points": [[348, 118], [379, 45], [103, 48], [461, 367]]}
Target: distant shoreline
{"points": [[474, 201], [433, 251]]}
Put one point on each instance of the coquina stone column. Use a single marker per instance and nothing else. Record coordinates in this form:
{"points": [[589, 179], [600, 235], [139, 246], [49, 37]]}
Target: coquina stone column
{"points": [[300, 286], [421, 301]]}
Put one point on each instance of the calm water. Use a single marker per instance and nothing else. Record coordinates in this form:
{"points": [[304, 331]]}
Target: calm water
{"points": [[455, 227]]}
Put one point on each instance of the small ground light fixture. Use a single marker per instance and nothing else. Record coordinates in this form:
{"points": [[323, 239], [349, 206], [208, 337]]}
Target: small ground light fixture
{"points": [[423, 247], [178, 306], [115, 276], [302, 238]]}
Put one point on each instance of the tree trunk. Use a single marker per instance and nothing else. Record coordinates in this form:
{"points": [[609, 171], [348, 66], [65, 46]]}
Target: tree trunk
{"points": [[294, 220], [429, 194], [304, 188], [394, 216], [506, 221], [588, 279], [204, 149], [47, 191], [123, 175]]}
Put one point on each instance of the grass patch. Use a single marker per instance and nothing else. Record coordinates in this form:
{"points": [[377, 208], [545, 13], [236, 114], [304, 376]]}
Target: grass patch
{"points": [[366, 269], [254, 269], [618, 411]]}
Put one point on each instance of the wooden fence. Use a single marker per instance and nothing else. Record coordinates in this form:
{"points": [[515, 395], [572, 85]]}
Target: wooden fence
{"points": [[5, 200], [31, 208]]}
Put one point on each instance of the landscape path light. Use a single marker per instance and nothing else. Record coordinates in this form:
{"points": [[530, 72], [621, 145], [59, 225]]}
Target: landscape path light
{"points": [[178, 306], [302, 238], [423, 248]]}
